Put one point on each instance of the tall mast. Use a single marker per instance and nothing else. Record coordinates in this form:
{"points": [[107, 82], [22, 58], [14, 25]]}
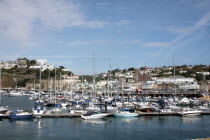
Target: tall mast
{"points": [[174, 78], [82, 86], [122, 91], [94, 82], [40, 82], [71, 87], [0, 84], [48, 81], [35, 85], [110, 69], [55, 84], [60, 81], [51, 88]]}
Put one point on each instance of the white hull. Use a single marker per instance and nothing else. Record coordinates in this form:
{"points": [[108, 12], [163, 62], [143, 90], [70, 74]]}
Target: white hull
{"points": [[63, 104], [125, 114], [190, 114], [95, 116], [15, 94], [36, 112]]}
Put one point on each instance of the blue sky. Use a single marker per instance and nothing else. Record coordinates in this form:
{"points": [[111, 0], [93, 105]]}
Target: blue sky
{"points": [[129, 33]]}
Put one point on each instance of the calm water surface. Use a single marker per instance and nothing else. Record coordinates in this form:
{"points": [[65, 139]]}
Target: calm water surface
{"points": [[158, 127]]}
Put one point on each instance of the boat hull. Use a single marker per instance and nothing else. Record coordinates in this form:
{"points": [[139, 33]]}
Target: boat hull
{"points": [[193, 113], [96, 116], [21, 116], [126, 115], [38, 112]]}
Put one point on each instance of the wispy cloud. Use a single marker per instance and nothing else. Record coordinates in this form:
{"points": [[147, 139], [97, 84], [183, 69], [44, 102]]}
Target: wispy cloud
{"points": [[123, 22], [156, 44], [103, 4], [86, 42], [182, 37], [19, 18]]}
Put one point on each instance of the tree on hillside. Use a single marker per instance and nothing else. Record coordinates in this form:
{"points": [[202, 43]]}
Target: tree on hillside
{"points": [[199, 77], [124, 70], [61, 67], [131, 69], [33, 62]]}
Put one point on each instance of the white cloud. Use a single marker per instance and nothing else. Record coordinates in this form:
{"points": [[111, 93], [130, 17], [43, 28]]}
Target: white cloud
{"points": [[187, 33], [156, 44], [84, 42], [176, 29], [123, 22], [19, 18]]}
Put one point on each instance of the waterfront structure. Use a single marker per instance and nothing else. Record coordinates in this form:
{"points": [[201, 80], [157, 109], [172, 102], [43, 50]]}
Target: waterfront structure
{"points": [[42, 64], [20, 62], [189, 86], [173, 80]]}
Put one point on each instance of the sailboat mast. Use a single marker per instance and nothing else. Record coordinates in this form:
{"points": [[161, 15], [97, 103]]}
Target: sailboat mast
{"points": [[50, 88], [55, 84], [48, 80], [60, 81], [82, 86], [71, 87], [174, 78], [94, 82], [122, 90], [40, 82], [110, 69], [0, 84]]}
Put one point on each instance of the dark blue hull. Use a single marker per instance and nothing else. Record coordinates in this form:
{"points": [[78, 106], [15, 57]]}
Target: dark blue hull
{"points": [[21, 116]]}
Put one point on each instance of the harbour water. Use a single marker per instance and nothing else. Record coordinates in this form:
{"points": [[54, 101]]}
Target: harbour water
{"points": [[147, 127]]}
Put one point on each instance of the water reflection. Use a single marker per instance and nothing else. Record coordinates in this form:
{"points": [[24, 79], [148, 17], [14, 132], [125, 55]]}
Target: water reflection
{"points": [[95, 121], [38, 122], [191, 119], [162, 120], [20, 121], [128, 119]]}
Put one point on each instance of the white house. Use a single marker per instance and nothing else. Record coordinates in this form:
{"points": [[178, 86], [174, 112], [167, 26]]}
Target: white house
{"points": [[172, 79], [41, 62]]}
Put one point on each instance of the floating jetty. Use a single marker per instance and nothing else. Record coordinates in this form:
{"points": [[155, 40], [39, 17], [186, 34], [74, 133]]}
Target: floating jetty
{"points": [[68, 115]]}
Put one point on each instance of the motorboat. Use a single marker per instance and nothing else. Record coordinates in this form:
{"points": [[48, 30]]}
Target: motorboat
{"points": [[79, 111], [3, 110], [20, 114], [125, 113], [64, 104], [185, 101], [56, 109], [38, 108], [166, 110], [94, 115], [16, 93], [189, 112]]}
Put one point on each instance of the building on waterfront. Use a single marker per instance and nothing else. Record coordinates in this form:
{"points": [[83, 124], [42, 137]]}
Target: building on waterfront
{"points": [[173, 80], [42, 64], [20, 63], [189, 86]]}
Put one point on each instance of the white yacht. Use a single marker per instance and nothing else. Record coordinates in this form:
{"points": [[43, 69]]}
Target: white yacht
{"points": [[94, 115], [126, 113], [16, 93], [189, 112], [38, 108]]}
